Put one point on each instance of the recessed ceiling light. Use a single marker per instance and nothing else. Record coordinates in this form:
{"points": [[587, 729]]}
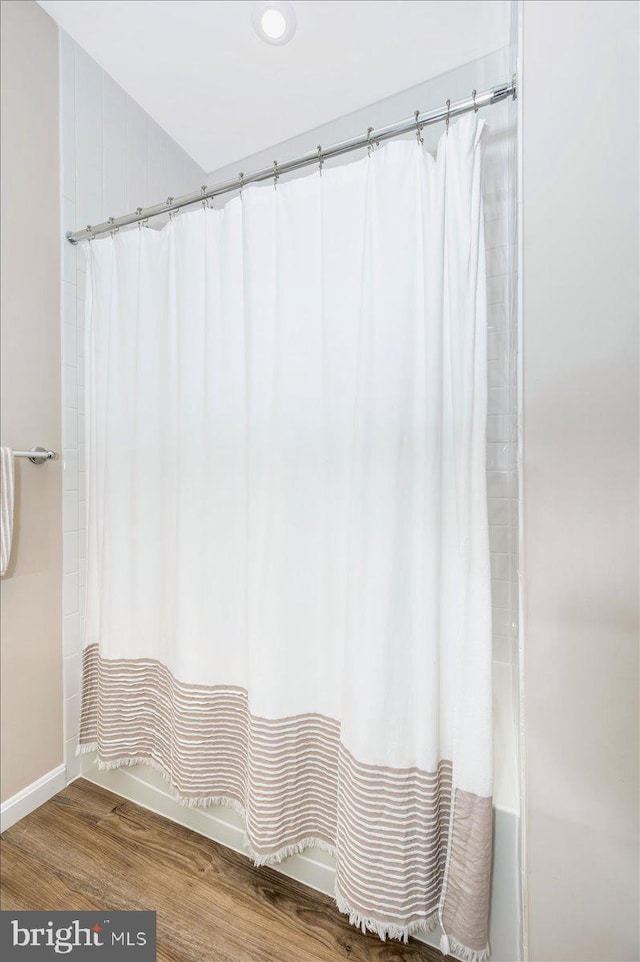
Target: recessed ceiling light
{"points": [[274, 21]]}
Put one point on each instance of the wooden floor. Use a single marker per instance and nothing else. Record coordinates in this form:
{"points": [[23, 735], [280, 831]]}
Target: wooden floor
{"points": [[87, 849]]}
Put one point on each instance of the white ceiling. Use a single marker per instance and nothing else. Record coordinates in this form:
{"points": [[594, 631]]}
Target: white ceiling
{"points": [[198, 68]]}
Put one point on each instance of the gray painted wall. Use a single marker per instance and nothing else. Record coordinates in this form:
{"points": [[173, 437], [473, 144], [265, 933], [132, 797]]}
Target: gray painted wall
{"points": [[580, 534]]}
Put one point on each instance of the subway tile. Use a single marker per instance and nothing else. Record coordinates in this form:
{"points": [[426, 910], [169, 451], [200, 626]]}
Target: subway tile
{"points": [[497, 289], [514, 540], [499, 538], [497, 259], [81, 327], [497, 401], [70, 594], [497, 428], [89, 145], [69, 311], [505, 622], [73, 761], [495, 233], [70, 511], [497, 318], [82, 545], [67, 115], [502, 648], [497, 484], [82, 602], [71, 675], [82, 485], [69, 251], [501, 594], [501, 565], [115, 148], [81, 289], [501, 456], [69, 428], [70, 386], [82, 572], [70, 344], [70, 470], [81, 431], [70, 552], [498, 510], [71, 634], [497, 374], [137, 156], [71, 716]]}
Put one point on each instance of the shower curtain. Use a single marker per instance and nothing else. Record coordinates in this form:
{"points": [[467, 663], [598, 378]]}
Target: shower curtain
{"points": [[288, 605]]}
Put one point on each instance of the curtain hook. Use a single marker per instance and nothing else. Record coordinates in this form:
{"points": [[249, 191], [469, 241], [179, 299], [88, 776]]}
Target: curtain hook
{"points": [[320, 159], [276, 175], [448, 115], [418, 128], [475, 106], [369, 144], [241, 180]]}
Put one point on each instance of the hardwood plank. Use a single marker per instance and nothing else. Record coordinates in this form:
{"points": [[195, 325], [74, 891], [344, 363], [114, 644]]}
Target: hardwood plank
{"points": [[89, 849]]}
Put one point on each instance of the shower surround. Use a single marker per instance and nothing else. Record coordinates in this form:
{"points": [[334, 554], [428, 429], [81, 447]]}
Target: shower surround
{"points": [[314, 866]]}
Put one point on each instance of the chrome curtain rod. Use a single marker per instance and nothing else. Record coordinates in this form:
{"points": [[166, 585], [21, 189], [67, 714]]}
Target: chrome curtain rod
{"points": [[492, 96]]}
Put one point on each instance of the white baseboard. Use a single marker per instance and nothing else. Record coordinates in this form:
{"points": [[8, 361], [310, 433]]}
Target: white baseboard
{"points": [[32, 797]]}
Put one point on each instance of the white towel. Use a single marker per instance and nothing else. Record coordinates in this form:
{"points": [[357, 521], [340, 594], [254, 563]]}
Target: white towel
{"points": [[7, 488]]}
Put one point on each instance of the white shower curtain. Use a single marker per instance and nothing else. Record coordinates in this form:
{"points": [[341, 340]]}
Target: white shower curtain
{"points": [[288, 604]]}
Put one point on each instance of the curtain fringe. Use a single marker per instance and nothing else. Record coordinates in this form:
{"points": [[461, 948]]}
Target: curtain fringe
{"points": [[205, 801], [274, 858], [460, 951], [385, 930], [382, 929]]}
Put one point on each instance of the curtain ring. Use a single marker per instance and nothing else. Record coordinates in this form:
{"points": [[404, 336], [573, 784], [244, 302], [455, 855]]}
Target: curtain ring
{"points": [[241, 180], [475, 106], [276, 175], [320, 159], [448, 115], [369, 144], [418, 128]]}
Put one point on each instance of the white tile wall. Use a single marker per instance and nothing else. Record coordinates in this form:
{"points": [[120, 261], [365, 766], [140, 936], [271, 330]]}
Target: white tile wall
{"points": [[502, 480], [114, 158]]}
